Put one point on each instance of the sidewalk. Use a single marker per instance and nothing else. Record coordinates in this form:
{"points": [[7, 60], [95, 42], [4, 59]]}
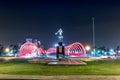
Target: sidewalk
{"points": [[69, 77]]}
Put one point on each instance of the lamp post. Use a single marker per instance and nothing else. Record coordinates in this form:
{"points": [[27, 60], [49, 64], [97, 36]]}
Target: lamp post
{"points": [[93, 26]]}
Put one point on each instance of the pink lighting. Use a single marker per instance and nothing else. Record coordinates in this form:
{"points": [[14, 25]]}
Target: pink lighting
{"points": [[73, 50], [29, 49]]}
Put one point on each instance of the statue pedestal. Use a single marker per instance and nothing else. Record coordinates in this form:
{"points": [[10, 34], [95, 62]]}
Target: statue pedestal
{"points": [[60, 51], [67, 61]]}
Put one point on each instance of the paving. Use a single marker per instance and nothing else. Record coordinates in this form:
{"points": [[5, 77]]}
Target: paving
{"points": [[68, 77], [67, 61]]}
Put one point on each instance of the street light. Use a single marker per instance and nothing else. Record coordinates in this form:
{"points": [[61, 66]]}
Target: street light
{"points": [[7, 50], [93, 26], [87, 47], [118, 51]]}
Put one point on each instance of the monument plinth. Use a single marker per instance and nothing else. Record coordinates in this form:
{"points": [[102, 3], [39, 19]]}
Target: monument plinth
{"points": [[60, 51]]}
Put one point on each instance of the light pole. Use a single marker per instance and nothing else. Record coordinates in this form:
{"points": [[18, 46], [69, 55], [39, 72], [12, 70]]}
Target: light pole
{"points": [[93, 27]]}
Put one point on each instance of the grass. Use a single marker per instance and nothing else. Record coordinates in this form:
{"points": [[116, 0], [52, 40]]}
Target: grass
{"points": [[98, 67]]}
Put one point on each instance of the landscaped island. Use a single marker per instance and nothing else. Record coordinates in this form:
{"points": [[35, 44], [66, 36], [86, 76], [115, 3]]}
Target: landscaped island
{"points": [[94, 67]]}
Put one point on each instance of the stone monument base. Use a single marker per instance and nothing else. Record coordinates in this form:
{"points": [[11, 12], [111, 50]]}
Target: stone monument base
{"points": [[67, 61]]}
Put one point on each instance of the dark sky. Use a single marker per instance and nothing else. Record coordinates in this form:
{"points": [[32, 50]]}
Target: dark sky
{"points": [[38, 19]]}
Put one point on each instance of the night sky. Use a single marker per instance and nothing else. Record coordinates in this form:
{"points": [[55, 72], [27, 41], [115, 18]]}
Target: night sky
{"points": [[21, 19]]}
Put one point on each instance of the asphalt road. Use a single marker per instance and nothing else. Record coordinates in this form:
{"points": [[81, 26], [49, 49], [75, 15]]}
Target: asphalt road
{"points": [[69, 77]]}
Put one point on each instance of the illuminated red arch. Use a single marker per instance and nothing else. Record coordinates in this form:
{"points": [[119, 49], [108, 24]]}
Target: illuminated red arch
{"points": [[29, 49], [41, 50], [73, 50], [51, 52]]}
